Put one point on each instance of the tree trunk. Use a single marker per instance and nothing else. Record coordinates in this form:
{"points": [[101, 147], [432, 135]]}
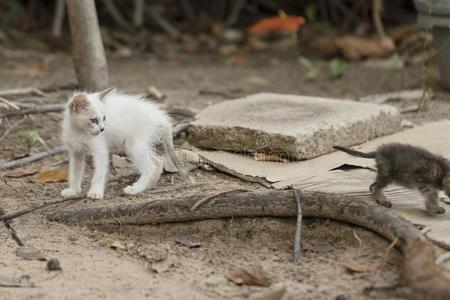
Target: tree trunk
{"points": [[88, 52]]}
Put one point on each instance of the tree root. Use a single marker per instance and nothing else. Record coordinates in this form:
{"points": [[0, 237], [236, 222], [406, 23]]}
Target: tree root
{"points": [[420, 272]]}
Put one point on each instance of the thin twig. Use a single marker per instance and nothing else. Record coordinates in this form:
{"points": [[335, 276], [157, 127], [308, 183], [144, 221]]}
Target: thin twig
{"points": [[9, 104], [298, 229], [22, 91], [218, 93], [236, 11], [50, 108], [19, 213], [9, 226], [138, 15], [357, 238], [388, 250], [8, 130], [377, 8], [207, 198], [115, 14], [32, 158], [423, 100]]}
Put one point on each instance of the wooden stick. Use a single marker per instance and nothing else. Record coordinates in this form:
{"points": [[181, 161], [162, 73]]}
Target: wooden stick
{"points": [[298, 229], [51, 108], [9, 226], [419, 270], [32, 158], [22, 91], [16, 214], [115, 14], [48, 108]]}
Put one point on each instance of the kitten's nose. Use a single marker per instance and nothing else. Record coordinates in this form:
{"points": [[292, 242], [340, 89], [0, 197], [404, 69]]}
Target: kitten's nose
{"points": [[101, 129]]}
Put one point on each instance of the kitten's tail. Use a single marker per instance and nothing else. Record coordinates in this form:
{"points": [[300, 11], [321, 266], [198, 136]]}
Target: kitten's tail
{"points": [[169, 149], [356, 153]]}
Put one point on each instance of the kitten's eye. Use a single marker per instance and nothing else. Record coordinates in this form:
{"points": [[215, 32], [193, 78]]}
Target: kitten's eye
{"points": [[94, 120], [104, 118]]}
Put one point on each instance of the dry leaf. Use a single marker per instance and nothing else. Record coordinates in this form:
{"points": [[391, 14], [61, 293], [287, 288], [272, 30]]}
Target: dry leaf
{"points": [[359, 268], [188, 241], [29, 253], [55, 175], [251, 275], [22, 281], [277, 24], [21, 172]]}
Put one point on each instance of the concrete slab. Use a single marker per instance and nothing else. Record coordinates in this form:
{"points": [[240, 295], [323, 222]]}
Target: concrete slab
{"points": [[298, 127]]}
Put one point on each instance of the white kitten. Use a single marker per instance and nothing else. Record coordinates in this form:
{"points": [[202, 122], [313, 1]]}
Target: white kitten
{"points": [[111, 122]]}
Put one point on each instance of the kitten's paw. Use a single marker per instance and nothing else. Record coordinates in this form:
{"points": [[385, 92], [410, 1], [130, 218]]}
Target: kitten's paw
{"points": [[132, 190], [70, 192], [95, 192], [436, 210]]}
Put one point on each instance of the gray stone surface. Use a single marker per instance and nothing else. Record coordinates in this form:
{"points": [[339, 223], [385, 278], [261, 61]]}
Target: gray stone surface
{"points": [[298, 127]]}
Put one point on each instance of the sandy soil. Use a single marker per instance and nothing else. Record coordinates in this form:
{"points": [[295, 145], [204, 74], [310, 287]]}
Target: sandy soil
{"points": [[92, 270]]}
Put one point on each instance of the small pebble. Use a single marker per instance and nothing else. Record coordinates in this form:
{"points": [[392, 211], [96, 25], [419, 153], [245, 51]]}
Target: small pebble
{"points": [[53, 265], [341, 297]]}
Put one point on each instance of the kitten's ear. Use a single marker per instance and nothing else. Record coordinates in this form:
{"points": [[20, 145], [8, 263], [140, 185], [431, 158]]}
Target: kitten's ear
{"points": [[78, 103], [102, 94]]}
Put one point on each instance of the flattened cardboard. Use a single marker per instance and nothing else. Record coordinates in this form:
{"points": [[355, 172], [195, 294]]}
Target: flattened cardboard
{"points": [[315, 175]]}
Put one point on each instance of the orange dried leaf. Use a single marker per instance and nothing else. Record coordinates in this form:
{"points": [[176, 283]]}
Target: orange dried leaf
{"points": [[56, 175], [278, 24]]}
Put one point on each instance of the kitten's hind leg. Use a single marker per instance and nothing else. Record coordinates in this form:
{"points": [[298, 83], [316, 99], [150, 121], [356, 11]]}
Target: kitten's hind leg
{"points": [[431, 199], [149, 166], [377, 190]]}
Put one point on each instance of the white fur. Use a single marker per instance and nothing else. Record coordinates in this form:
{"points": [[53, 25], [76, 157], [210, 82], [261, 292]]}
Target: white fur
{"points": [[133, 126]]}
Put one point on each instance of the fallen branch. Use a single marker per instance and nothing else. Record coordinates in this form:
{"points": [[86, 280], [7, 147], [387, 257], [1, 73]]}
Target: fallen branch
{"points": [[420, 272], [16, 214], [298, 228], [32, 158]]}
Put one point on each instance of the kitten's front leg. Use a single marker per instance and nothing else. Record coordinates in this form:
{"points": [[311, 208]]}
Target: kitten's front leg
{"points": [[76, 170], [431, 199], [101, 162]]}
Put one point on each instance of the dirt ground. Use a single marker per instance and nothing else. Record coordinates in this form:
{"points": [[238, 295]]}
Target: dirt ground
{"points": [[92, 270]]}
